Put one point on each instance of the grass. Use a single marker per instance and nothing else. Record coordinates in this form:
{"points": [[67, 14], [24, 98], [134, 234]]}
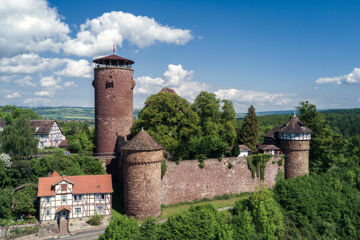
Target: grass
{"points": [[176, 209]]}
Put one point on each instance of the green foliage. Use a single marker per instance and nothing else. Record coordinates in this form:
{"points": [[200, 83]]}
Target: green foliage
{"points": [[5, 203], [257, 164], [230, 165], [9, 113], [149, 230], [235, 151], [121, 227], [249, 131], [17, 139], [261, 212], [170, 120], [95, 220], [325, 144], [24, 201], [200, 222], [80, 137], [163, 168], [321, 206], [201, 158]]}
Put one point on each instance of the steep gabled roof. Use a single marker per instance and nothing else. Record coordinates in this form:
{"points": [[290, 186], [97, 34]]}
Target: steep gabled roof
{"points": [[271, 133], [63, 144], [142, 142], [244, 148], [82, 184], [294, 125], [42, 127]]}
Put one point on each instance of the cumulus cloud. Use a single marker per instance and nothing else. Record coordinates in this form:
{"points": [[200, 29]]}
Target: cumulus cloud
{"points": [[351, 78], [80, 68], [37, 101], [30, 26], [13, 95], [44, 94], [254, 97], [97, 35], [70, 84], [49, 82], [175, 77], [25, 82], [6, 78]]}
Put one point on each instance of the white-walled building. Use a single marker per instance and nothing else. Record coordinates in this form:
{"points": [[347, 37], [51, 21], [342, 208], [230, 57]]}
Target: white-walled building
{"points": [[244, 151], [48, 132], [2, 125], [66, 197], [269, 149]]}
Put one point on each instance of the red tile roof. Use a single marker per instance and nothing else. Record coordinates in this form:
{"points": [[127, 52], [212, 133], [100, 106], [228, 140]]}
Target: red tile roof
{"points": [[244, 148], [82, 184], [63, 207]]}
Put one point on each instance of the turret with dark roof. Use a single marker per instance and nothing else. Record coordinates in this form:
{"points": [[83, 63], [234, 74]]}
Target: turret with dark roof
{"points": [[142, 142], [294, 125]]}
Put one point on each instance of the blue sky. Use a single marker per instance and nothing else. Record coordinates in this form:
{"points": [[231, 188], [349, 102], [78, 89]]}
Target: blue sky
{"points": [[271, 54]]}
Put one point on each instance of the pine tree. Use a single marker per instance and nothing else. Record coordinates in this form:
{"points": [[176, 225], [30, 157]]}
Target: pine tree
{"points": [[249, 130]]}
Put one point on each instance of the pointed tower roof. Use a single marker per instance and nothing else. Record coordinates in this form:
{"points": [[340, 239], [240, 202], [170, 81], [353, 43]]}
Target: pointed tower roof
{"points": [[294, 125], [142, 142]]}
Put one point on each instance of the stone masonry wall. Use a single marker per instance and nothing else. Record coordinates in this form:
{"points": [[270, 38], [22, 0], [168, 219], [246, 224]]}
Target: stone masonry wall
{"points": [[188, 182], [297, 157], [113, 106]]}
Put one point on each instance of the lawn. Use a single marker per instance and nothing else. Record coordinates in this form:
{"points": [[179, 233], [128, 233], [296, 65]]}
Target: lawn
{"points": [[173, 210]]}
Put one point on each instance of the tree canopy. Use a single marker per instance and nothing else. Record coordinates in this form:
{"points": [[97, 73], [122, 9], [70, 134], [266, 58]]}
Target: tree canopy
{"points": [[249, 131]]}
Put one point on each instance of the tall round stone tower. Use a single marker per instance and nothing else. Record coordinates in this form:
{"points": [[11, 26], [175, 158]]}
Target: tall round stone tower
{"points": [[294, 139], [113, 84], [142, 158]]}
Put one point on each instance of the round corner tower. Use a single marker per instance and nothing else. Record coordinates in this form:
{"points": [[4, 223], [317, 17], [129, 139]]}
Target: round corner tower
{"points": [[295, 139], [113, 84], [142, 176]]}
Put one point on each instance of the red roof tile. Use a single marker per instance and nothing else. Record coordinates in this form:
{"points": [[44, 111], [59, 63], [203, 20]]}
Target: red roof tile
{"points": [[54, 174], [82, 184], [63, 207]]}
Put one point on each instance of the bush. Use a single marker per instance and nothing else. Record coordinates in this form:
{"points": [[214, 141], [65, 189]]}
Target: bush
{"points": [[95, 220], [230, 165], [121, 227]]}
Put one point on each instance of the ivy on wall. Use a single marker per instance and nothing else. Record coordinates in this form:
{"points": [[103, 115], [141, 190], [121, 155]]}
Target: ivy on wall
{"points": [[257, 164]]}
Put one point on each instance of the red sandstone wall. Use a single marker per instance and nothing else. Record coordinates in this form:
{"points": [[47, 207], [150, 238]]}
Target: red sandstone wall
{"points": [[297, 157], [142, 185], [188, 182], [113, 107]]}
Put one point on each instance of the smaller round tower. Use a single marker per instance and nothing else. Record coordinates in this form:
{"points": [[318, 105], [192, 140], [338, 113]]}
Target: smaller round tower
{"points": [[295, 139], [142, 158]]}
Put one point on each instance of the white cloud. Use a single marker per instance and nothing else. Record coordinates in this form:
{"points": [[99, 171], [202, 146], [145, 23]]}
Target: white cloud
{"points": [[80, 68], [6, 78], [97, 35], [175, 77], [37, 101], [25, 82], [13, 95], [70, 84], [30, 26], [44, 93], [351, 78], [358, 99], [29, 63], [254, 97], [49, 82]]}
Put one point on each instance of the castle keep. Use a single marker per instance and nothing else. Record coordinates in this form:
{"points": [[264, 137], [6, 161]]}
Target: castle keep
{"points": [[138, 161]]}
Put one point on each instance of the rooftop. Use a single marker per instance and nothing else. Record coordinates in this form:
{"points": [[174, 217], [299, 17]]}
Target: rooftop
{"points": [[82, 184], [113, 60], [142, 142], [42, 127], [294, 125]]}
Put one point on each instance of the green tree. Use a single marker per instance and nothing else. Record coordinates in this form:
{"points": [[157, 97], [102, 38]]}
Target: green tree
{"points": [[243, 226], [24, 201], [235, 150], [170, 120], [149, 230], [10, 112], [249, 131], [325, 144], [228, 111], [121, 227], [5, 203], [18, 139]]}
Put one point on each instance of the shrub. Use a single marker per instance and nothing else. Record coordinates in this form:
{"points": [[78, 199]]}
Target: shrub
{"points": [[121, 227], [95, 220], [230, 165]]}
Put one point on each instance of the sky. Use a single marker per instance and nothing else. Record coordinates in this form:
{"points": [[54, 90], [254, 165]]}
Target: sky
{"points": [[271, 54]]}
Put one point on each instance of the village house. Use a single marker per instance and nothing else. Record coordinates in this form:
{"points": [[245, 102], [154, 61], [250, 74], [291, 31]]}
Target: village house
{"points": [[48, 132], [269, 149], [2, 125], [244, 151], [63, 198]]}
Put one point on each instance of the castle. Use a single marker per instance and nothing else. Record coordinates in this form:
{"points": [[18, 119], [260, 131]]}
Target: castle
{"points": [[137, 163]]}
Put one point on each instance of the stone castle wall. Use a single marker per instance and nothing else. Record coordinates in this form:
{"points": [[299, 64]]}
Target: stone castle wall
{"points": [[142, 183], [113, 106], [188, 182], [297, 157]]}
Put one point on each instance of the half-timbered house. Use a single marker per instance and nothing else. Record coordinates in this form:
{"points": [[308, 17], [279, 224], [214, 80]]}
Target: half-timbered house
{"points": [[48, 132], [67, 197]]}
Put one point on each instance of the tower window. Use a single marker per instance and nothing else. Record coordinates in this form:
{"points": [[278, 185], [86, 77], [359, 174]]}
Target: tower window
{"points": [[109, 84]]}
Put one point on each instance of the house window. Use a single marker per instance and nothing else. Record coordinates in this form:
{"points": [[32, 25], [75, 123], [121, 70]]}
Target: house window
{"points": [[63, 197], [63, 187], [102, 196], [77, 197], [97, 196], [47, 199], [78, 210], [47, 212], [100, 209]]}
